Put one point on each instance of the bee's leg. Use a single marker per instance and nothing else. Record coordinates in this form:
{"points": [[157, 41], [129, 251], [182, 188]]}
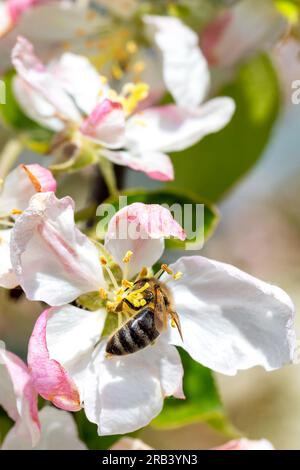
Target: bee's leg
{"points": [[161, 314], [120, 319], [175, 321]]}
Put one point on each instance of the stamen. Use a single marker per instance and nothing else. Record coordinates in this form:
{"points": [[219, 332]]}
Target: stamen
{"points": [[103, 261], [166, 268], [16, 212], [102, 293], [117, 72], [143, 273], [127, 257], [177, 275], [139, 67], [136, 297], [131, 47], [127, 284]]}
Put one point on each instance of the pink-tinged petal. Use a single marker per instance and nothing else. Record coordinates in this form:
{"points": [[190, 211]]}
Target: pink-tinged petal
{"points": [[128, 443], [185, 70], [106, 124], [212, 34], [172, 129], [124, 394], [53, 260], [230, 320], [72, 334], [58, 432], [8, 278], [44, 98], [21, 184], [246, 444], [156, 165], [249, 26], [41, 178], [140, 228], [18, 396], [50, 379]]}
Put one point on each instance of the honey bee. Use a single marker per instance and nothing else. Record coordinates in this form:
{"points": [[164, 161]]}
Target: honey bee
{"points": [[149, 317]]}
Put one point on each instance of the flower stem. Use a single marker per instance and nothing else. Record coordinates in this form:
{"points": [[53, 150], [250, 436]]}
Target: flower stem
{"points": [[107, 170], [9, 155]]}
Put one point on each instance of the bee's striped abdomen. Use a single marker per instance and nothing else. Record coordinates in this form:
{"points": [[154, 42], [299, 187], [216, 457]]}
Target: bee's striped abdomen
{"points": [[136, 334]]}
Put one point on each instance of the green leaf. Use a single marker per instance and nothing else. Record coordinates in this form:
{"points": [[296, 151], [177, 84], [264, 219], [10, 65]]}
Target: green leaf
{"points": [[202, 403], [5, 425], [212, 166], [188, 212]]}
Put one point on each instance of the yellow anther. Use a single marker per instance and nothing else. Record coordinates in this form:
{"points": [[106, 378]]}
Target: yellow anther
{"points": [[143, 272], [102, 293], [131, 47], [117, 72], [132, 94], [103, 79], [173, 324], [16, 212], [103, 260], [177, 275], [110, 306], [127, 284], [127, 257], [139, 67], [136, 297], [166, 268]]}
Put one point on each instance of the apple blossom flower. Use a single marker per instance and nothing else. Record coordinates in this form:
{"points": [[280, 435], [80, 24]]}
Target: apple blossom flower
{"points": [[15, 193], [68, 97], [237, 32], [49, 429], [229, 319]]}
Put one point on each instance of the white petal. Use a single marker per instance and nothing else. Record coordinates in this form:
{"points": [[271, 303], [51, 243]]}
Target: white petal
{"points": [[125, 394], [53, 260], [140, 228], [43, 93], [231, 320], [185, 69], [170, 128], [156, 165], [72, 334], [80, 79], [8, 278], [58, 432]]}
